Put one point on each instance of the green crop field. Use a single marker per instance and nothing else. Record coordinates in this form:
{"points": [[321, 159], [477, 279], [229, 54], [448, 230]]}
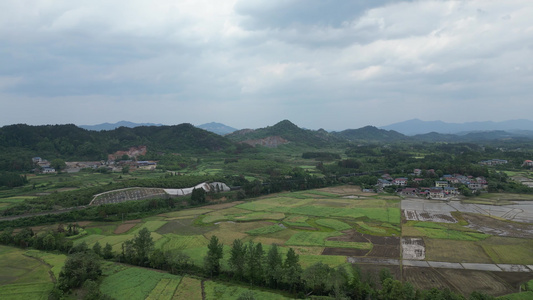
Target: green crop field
{"points": [[179, 242], [133, 283], [219, 291], [330, 260], [164, 290], [509, 250], [23, 277], [57, 261], [334, 224], [297, 221], [447, 234], [265, 230], [26, 291], [189, 288]]}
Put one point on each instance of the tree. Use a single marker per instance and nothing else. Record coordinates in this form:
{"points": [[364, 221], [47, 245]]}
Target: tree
{"points": [[97, 249], [125, 169], [213, 257], [78, 268], [236, 260], [273, 266], [292, 271], [108, 251], [198, 196], [58, 164], [143, 245]]}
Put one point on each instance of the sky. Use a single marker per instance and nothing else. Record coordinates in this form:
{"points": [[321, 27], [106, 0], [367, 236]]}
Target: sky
{"points": [[331, 64]]}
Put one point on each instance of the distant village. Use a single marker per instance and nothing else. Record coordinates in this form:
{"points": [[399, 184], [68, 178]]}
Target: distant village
{"points": [[116, 162], [445, 187]]}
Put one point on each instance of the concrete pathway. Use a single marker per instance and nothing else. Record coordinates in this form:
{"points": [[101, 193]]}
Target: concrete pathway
{"points": [[442, 265]]}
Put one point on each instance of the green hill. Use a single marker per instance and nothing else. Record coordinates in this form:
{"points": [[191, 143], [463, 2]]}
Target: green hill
{"points": [[20, 142], [290, 132], [371, 134]]}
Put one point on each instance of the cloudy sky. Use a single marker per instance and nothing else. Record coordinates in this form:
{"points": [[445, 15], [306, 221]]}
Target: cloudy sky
{"points": [[247, 63]]}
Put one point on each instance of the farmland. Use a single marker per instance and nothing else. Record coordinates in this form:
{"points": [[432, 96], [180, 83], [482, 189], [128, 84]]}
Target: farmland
{"points": [[325, 225]]}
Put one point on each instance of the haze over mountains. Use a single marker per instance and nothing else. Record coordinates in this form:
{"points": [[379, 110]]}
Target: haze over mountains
{"points": [[416, 126], [410, 127]]}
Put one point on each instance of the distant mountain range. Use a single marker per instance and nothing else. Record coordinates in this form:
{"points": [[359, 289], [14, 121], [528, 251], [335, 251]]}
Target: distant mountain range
{"points": [[111, 126], [416, 126], [217, 128]]}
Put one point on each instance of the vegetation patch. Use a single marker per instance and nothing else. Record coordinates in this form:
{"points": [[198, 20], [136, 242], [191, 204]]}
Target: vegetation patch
{"points": [[189, 288], [214, 291], [265, 230], [297, 221], [455, 251], [56, 261], [164, 290], [133, 283], [179, 242], [334, 224], [371, 229], [330, 260], [26, 291], [452, 234]]}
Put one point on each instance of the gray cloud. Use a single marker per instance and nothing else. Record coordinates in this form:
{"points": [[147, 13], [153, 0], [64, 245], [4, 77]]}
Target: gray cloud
{"points": [[330, 64]]}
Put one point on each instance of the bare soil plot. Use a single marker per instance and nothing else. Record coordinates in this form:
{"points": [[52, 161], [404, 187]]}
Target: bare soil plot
{"points": [[223, 205], [493, 226], [467, 281], [345, 251], [184, 227], [425, 278], [413, 248], [387, 251], [123, 228], [455, 251], [355, 236], [440, 217]]}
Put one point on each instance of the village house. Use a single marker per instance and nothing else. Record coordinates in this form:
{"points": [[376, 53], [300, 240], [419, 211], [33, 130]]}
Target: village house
{"points": [[451, 191], [436, 193], [409, 192], [417, 172], [382, 183], [402, 181], [493, 162], [528, 163], [441, 183]]}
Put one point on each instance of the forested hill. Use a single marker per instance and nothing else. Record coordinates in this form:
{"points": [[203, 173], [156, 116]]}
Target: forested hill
{"points": [[371, 134], [22, 141], [290, 132]]}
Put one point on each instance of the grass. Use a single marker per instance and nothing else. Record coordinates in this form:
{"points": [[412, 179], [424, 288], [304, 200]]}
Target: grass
{"points": [[265, 230], [330, 260], [56, 261], [509, 250], [165, 289], [318, 239], [370, 229], [297, 221], [334, 224], [189, 288], [23, 277], [216, 291], [26, 291], [133, 283], [517, 296], [179, 242], [449, 234], [455, 251]]}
